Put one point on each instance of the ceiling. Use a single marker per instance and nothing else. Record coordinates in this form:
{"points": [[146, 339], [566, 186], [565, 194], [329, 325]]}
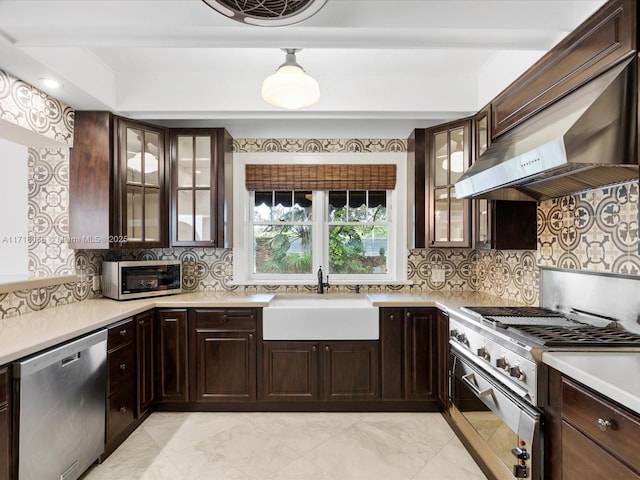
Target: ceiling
{"points": [[384, 66]]}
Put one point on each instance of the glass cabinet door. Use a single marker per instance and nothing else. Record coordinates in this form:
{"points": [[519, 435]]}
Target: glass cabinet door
{"points": [[193, 182], [482, 206], [142, 160], [449, 158]]}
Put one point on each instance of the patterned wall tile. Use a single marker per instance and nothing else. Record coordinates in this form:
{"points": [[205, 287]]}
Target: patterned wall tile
{"points": [[30, 108]]}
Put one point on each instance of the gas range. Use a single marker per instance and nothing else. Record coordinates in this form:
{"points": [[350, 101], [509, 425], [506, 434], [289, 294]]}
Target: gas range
{"points": [[508, 342]]}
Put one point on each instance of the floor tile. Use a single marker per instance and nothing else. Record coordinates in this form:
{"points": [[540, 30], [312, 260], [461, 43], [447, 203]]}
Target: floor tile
{"points": [[290, 446]]}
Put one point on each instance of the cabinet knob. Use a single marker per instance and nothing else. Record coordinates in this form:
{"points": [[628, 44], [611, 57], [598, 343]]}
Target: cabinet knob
{"points": [[141, 322], [122, 409], [123, 366], [408, 314], [225, 319], [391, 317], [123, 333], [251, 336], [314, 348], [326, 348], [604, 425]]}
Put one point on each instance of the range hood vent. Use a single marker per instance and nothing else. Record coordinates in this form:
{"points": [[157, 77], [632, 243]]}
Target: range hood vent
{"points": [[586, 140]]}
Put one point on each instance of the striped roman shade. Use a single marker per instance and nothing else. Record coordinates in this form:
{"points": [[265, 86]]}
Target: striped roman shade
{"points": [[268, 177]]}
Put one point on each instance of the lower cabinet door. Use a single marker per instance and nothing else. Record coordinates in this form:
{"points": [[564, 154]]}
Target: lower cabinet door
{"points": [[224, 366], [289, 371], [120, 411], [171, 366], [351, 370], [420, 354], [145, 342]]}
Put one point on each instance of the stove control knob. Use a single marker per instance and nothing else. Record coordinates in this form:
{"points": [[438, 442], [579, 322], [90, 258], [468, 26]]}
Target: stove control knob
{"points": [[462, 338], [484, 353], [502, 363], [517, 372], [454, 333]]}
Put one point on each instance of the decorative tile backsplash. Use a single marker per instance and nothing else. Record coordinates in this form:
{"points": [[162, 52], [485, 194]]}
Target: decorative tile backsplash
{"points": [[590, 231], [26, 106]]}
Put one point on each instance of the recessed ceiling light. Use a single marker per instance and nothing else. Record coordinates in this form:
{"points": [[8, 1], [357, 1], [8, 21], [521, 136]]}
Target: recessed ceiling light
{"points": [[50, 82]]}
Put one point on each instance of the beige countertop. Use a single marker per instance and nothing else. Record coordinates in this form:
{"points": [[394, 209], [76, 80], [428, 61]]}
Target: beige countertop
{"points": [[26, 334], [614, 374]]}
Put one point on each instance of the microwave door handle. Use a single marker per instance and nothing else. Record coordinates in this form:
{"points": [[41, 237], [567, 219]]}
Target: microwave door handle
{"points": [[470, 380]]}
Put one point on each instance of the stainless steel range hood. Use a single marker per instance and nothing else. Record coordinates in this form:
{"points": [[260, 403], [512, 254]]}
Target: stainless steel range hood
{"points": [[586, 140]]}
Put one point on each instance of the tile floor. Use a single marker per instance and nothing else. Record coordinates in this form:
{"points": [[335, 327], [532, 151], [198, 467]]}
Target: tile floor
{"points": [[290, 446]]}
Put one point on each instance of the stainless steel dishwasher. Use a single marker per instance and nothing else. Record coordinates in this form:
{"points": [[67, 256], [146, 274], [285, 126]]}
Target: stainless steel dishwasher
{"points": [[61, 409]]}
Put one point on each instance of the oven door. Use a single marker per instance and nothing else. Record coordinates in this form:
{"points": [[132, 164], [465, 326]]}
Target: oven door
{"points": [[503, 430]]}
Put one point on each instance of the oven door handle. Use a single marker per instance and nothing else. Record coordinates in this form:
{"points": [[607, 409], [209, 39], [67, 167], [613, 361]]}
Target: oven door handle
{"points": [[470, 380]]}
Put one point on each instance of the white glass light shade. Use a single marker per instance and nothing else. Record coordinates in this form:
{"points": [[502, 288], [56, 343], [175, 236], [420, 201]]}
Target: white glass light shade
{"points": [[150, 162], [290, 87]]}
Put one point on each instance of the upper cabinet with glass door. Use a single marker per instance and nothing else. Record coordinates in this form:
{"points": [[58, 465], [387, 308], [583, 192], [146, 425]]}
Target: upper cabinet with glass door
{"points": [[198, 187], [482, 139], [141, 153], [449, 219]]}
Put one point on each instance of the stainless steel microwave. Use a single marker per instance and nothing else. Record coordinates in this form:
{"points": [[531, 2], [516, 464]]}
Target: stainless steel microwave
{"points": [[141, 279]]}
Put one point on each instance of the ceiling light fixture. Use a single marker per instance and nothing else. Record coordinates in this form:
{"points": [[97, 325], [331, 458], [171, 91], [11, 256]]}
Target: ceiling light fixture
{"points": [[267, 13], [290, 87]]}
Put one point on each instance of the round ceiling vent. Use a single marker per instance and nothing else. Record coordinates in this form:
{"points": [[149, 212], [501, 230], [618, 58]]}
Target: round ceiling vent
{"points": [[267, 13]]}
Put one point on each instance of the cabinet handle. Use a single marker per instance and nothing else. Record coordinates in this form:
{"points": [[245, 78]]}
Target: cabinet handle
{"points": [[4, 408], [123, 366], [122, 409], [326, 348], [172, 320], [314, 348], [123, 333], [604, 425]]}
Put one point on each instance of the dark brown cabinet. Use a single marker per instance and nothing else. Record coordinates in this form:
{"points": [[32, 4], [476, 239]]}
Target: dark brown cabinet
{"points": [[222, 352], [442, 349], [145, 350], [116, 183], [590, 435], [312, 371], [440, 155], [408, 353], [603, 40], [171, 366], [289, 371], [200, 166], [5, 425], [121, 378]]}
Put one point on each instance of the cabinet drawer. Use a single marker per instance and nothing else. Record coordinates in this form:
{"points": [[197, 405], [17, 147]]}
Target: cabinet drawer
{"points": [[120, 411], [4, 385], [224, 319], [120, 334], [584, 459], [121, 366], [585, 411]]}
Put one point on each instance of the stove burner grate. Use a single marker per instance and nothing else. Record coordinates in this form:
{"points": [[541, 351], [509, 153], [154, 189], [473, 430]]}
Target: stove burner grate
{"points": [[514, 311], [577, 336]]}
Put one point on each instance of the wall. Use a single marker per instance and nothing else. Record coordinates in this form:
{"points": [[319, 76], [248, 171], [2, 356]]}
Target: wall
{"points": [[591, 231]]}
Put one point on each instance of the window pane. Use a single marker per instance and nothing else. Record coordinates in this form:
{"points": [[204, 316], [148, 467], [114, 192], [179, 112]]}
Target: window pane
{"points": [[185, 215], [357, 249], [377, 206], [185, 161], [458, 160], [457, 218], [134, 213], [357, 206], [151, 159], [262, 206], [441, 157], [151, 215], [203, 161], [337, 206], [203, 215], [282, 249], [301, 210], [281, 211], [441, 215], [134, 155]]}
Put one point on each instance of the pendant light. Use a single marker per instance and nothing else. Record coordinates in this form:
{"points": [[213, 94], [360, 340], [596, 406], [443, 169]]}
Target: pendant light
{"points": [[290, 87]]}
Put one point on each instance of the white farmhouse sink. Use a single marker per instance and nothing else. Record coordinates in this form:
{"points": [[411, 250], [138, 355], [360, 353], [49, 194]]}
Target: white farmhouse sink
{"points": [[320, 317]]}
